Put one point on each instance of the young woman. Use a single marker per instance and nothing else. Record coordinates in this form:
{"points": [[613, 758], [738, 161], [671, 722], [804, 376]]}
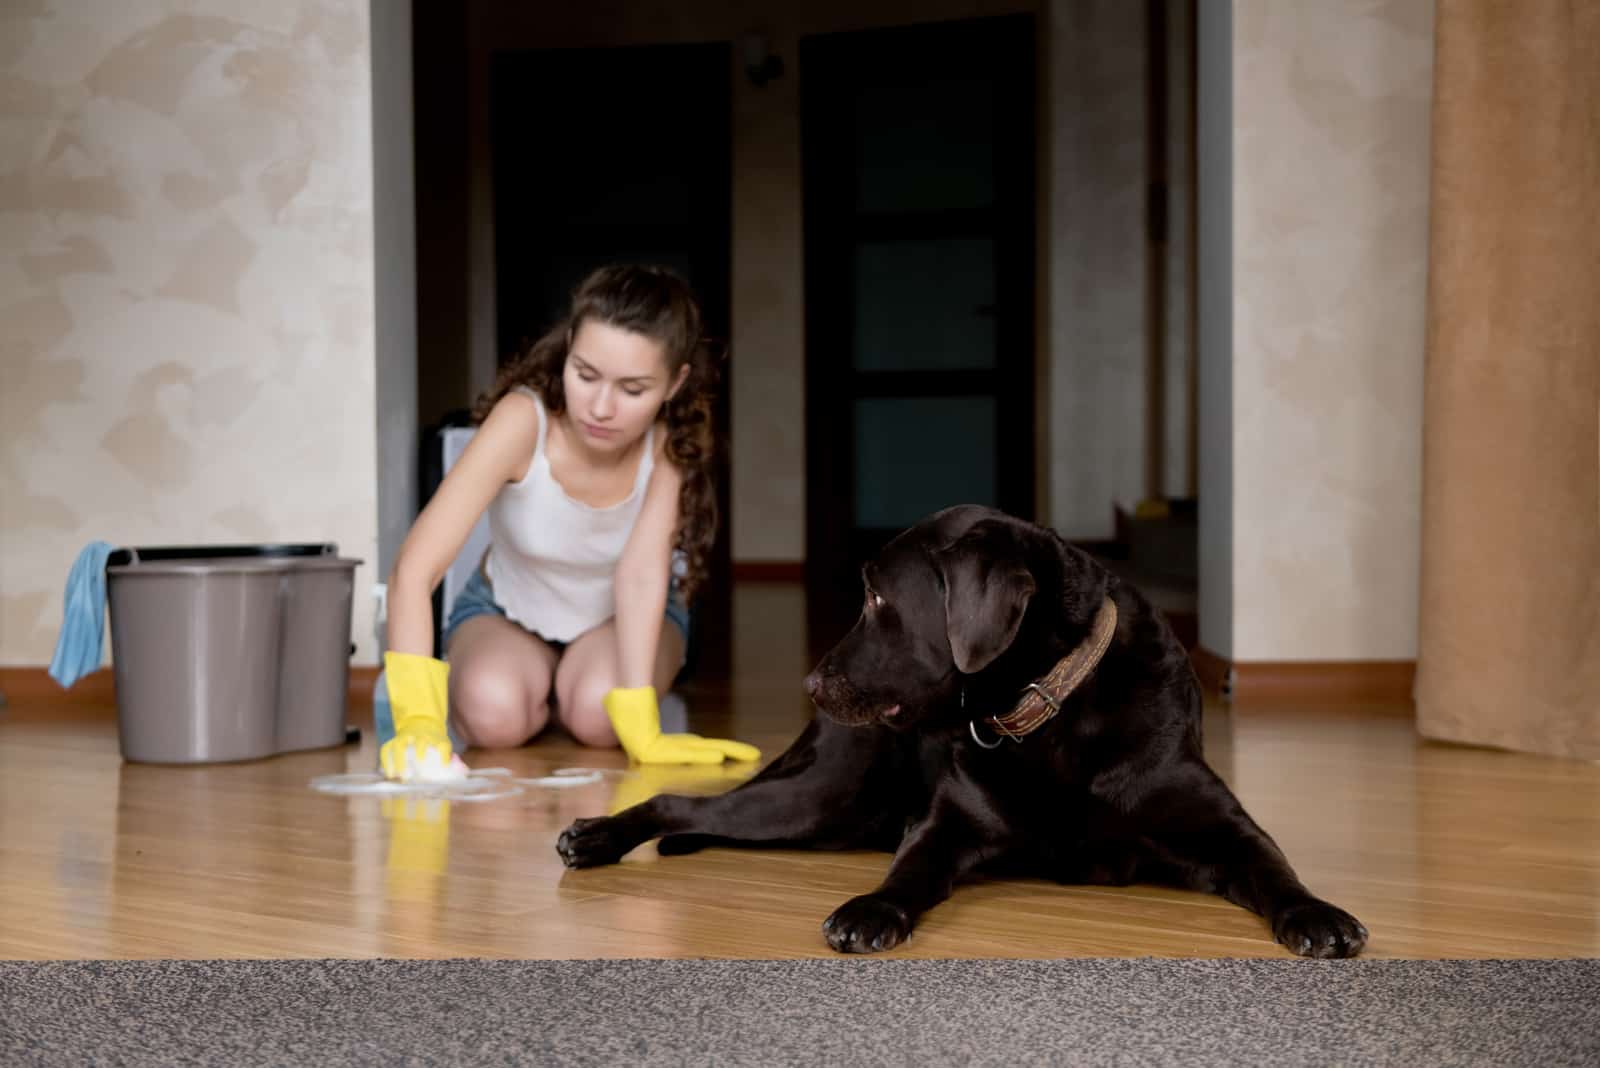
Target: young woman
{"points": [[593, 462]]}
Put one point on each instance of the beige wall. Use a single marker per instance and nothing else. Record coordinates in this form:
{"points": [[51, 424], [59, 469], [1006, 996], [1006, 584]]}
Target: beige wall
{"points": [[186, 282], [1109, 442], [1097, 279], [1329, 199]]}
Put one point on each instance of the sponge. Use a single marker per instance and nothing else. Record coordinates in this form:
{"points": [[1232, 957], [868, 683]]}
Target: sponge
{"points": [[432, 768]]}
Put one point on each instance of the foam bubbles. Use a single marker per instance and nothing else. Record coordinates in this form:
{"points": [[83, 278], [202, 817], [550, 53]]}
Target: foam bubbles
{"points": [[483, 784]]}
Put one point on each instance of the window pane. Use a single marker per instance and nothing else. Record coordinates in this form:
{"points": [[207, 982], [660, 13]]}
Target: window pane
{"points": [[925, 147], [924, 305], [915, 455]]}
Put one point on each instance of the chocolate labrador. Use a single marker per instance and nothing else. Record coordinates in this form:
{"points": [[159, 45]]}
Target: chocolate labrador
{"points": [[1004, 704]]}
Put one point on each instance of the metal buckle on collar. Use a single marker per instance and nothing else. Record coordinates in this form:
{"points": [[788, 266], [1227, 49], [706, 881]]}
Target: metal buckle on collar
{"points": [[1051, 702]]}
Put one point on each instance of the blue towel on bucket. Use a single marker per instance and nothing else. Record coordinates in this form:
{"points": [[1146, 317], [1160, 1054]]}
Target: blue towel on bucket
{"points": [[83, 616]]}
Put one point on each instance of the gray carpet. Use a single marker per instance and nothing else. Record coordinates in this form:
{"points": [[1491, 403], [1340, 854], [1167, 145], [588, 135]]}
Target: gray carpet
{"points": [[832, 1012]]}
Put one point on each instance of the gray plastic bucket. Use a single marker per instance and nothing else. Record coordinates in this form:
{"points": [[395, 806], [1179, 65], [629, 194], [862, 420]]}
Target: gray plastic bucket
{"points": [[225, 653]]}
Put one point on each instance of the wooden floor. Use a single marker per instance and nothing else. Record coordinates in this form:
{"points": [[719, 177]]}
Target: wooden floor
{"points": [[1442, 851]]}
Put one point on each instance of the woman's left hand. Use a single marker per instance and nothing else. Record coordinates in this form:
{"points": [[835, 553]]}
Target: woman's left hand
{"points": [[636, 717]]}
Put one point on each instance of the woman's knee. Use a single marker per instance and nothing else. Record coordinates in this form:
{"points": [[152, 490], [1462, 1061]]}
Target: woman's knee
{"points": [[586, 717], [495, 708]]}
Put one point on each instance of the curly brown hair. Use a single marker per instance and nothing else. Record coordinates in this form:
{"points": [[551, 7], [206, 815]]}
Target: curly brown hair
{"points": [[657, 303]]}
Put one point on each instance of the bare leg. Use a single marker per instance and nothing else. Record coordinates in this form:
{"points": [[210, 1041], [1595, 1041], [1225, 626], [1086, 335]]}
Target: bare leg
{"points": [[500, 679], [589, 670]]}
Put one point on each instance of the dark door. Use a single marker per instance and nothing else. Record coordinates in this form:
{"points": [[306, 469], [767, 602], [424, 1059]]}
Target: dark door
{"points": [[606, 155], [918, 148]]}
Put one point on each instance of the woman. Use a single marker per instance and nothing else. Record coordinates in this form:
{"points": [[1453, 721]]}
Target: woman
{"points": [[593, 463]]}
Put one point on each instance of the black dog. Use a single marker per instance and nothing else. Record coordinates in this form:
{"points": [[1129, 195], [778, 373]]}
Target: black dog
{"points": [[1003, 703]]}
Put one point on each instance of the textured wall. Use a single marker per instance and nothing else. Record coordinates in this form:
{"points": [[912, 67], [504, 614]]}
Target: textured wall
{"points": [[768, 440], [1101, 408], [1097, 262], [186, 279], [1330, 215]]}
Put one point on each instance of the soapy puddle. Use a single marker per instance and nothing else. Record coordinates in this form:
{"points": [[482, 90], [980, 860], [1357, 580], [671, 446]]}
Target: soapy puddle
{"points": [[481, 784]]}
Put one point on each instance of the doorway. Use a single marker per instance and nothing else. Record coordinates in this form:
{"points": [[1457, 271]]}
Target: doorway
{"points": [[919, 202], [594, 164]]}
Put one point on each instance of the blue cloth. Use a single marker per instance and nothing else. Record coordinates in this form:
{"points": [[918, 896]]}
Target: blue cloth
{"points": [[83, 616]]}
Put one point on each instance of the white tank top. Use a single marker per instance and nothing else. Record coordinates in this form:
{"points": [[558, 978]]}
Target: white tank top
{"points": [[552, 560]]}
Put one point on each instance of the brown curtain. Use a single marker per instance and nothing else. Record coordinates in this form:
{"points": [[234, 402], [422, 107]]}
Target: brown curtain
{"points": [[1509, 643]]}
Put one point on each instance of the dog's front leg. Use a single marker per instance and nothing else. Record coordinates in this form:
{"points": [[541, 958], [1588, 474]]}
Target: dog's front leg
{"points": [[1203, 838], [822, 792], [933, 856]]}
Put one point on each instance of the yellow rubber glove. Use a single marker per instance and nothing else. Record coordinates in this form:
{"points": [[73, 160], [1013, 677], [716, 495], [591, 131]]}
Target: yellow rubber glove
{"points": [[419, 697], [636, 718]]}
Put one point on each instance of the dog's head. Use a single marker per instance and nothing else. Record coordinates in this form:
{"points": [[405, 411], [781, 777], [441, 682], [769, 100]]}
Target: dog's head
{"points": [[940, 603]]}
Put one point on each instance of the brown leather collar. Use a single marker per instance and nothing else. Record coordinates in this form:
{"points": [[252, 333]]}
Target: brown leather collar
{"points": [[1042, 699]]}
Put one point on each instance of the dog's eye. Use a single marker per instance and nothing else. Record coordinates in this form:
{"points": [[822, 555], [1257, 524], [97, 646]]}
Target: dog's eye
{"points": [[877, 600]]}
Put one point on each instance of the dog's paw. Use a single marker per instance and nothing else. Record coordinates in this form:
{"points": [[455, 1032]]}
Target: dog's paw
{"points": [[589, 843], [1318, 929], [867, 924]]}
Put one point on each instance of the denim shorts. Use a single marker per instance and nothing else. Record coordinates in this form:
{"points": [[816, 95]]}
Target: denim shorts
{"points": [[477, 598]]}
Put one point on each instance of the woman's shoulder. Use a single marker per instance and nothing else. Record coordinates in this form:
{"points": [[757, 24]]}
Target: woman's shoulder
{"points": [[516, 412], [511, 430]]}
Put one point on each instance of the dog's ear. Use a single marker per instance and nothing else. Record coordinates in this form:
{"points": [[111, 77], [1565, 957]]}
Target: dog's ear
{"points": [[986, 591]]}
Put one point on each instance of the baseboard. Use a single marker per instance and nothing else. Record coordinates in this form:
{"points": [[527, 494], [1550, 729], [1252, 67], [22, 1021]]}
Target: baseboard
{"points": [[1319, 680], [769, 571], [35, 685], [363, 677]]}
